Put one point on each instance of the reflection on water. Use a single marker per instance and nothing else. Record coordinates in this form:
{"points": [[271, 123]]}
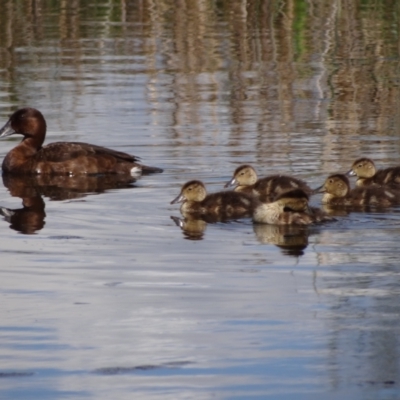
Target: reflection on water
{"points": [[31, 189], [192, 228], [108, 298], [291, 239]]}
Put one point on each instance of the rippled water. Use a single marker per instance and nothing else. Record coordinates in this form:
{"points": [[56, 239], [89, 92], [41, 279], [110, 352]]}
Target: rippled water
{"points": [[104, 295]]}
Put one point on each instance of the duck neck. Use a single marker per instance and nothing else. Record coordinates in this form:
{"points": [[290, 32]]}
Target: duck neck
{"points": [[34, 143]]}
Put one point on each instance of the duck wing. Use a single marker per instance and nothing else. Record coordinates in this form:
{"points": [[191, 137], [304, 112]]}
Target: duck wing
{"points": [[64, 151]]}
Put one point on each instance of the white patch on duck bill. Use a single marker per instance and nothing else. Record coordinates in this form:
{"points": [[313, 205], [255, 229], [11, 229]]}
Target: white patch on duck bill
{"points": [[136, 171]]}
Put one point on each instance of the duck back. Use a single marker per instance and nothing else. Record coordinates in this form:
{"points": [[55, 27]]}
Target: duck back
{"points": [[223, 205], [383, 177], [367, 197], [269, 187]]}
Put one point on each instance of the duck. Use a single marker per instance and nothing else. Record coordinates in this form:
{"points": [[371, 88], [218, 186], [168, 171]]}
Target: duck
{"points": [[213, 207], [290, 208], [265, 189], [337, 192], [29, 157], [365, 170]]}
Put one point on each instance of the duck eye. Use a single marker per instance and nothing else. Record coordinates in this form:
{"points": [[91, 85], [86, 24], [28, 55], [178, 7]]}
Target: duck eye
{"points": [[330, 181], [359, 165]]}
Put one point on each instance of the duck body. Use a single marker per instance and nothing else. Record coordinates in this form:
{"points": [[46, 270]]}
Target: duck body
{"points": [[289, 208], [61, 158], [337, 192], [265, 189], [367, 175], [215, 206]]}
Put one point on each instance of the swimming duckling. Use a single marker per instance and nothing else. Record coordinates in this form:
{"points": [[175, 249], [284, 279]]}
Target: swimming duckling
{"points": [[220, 205], [30, 157], [364, 169], [265, 189], [289, 208], [337, 192]]}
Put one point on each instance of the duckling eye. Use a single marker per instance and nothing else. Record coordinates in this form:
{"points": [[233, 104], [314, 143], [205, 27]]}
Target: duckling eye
{"points": [[359, 165], [330, 181]]}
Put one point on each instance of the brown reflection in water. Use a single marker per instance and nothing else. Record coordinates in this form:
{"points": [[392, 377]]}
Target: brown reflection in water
{"points": [[28, 219], [193, 229], [291, 239], [31, 190]]}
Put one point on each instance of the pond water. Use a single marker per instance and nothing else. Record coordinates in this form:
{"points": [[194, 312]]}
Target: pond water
{"points": [[104, 295]]}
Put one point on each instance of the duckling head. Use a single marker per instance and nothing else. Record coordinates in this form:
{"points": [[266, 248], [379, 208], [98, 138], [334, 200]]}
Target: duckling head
{"points": [[191, 191], [245, 175], [293, 200], [337, 185], [362, 168]]}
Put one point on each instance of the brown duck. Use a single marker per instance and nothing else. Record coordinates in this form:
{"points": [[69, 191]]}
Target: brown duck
{"points": [[365, 170], [289, 208], [265, 189], [217, 206], [60, 158], [337, 192]]}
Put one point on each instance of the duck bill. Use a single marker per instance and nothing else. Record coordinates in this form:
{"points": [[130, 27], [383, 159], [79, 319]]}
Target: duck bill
{"points": [[6, 130], [178, 199], [232, 182], [320, 189], [350, 173]]}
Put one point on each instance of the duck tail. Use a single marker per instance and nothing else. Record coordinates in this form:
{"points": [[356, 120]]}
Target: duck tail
{"points": [[150, 170]]}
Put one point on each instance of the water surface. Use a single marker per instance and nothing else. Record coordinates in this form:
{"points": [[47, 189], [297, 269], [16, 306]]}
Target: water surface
{"points": [[104, 295]]}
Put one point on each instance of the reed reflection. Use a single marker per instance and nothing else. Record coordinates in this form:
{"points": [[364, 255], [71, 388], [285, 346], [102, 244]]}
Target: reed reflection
{"points": [[31, 189]]}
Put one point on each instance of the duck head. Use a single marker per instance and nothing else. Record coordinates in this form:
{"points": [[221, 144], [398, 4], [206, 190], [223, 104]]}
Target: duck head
{"points": [[293, 200], [245, 175], [27, 122], [337, 185], [362, 168], [191, 191]]}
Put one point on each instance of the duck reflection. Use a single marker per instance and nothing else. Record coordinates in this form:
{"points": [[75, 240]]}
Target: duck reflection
{"points": [[292, 239], [193, 229], [31, 189]]}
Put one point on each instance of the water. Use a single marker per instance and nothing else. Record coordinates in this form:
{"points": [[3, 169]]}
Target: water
{"points": [[105, 295]]}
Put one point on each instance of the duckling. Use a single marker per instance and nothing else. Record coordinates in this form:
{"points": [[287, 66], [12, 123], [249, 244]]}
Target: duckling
{"points": [[337, 192], [265, 189], [289, 208], [218, 206], [364, 169]]}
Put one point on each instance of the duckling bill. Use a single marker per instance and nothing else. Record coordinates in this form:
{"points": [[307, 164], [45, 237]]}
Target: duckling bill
{"points": [[61, 158]]}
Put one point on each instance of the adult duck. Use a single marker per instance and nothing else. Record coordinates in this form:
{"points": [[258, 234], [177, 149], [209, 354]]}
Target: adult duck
{"points": [[60, 158]]}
